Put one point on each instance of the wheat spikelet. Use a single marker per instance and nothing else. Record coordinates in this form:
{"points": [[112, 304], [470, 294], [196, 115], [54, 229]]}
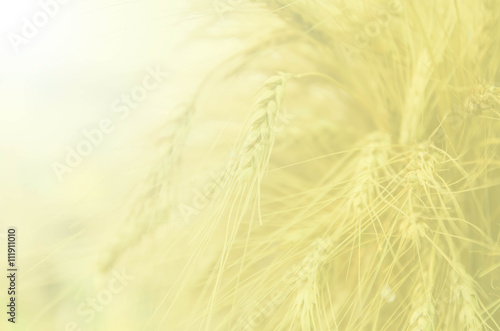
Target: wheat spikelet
{"points": [[470, 311], [422, 317], [306, 299], [153, 199], [371, 167], [255, 151]]}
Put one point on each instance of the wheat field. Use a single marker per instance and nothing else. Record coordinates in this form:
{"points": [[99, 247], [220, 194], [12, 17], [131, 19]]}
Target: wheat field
{"points": [[320, 165]]}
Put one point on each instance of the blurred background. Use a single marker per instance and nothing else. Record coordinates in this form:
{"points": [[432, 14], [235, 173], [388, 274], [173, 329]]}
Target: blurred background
{"points": [[60, 82]]}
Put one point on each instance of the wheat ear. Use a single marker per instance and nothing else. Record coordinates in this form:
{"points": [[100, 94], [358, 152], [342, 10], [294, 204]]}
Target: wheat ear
{"points": [[152, 203], [255, 150]]}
